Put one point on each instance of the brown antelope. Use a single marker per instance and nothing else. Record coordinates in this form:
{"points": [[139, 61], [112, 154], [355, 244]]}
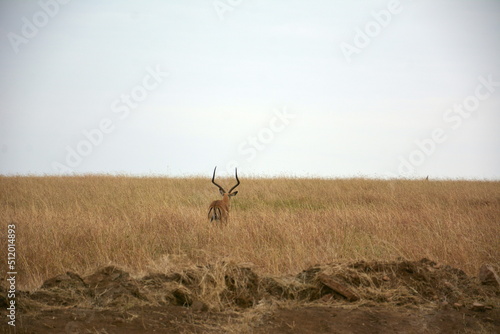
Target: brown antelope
{"points": [[219, 209]]}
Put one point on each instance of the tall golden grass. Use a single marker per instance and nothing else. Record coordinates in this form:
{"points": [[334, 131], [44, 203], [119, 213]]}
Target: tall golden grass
{"points": [[280, 225]]}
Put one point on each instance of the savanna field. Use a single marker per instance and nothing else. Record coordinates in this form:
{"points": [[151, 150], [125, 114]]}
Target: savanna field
{"points": [[106, 254], [280, 226]]}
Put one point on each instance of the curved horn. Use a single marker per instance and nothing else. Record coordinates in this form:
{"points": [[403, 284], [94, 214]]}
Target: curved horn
{"points": [[237, 184], [213, 177]]}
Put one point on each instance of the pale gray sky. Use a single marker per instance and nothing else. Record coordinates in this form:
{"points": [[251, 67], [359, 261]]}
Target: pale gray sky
{"points": [[303, 88]]}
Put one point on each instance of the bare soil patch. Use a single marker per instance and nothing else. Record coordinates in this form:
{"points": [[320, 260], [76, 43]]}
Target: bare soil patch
{"points": [[363, 297]]}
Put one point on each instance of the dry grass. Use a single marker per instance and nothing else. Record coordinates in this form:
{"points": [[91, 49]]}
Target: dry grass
{"points": [[280, 225]]}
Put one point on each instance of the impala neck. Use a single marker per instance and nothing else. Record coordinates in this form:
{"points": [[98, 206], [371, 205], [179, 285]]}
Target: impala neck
{"points": [[225, 198]]}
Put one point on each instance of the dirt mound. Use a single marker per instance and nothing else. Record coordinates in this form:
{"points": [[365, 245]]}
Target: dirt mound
{"points": [[399, 283], [226, 288], [107, 287], [228, 285]]}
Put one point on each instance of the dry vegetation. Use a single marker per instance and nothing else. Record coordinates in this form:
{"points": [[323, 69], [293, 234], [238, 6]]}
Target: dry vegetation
{"points": [[279, 225]]}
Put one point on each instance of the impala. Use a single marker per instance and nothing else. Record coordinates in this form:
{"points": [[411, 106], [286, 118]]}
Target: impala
{"points": [[219, 209]]}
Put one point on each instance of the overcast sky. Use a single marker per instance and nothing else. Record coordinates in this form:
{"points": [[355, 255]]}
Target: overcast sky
{"points": [[292, 88]]}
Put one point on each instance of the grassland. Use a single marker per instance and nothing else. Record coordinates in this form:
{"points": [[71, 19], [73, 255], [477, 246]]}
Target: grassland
{"points": [[280, 225]]}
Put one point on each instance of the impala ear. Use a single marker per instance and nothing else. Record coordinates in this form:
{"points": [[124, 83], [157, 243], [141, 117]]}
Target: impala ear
{"points": [[233, 194], [222, 192]]}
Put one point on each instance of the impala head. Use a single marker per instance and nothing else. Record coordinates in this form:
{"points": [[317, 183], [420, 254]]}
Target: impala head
{"points": [[230, 193]]}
